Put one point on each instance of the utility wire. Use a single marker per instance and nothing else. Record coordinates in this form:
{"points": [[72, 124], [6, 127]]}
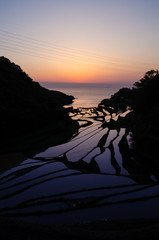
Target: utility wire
{"points": [[51, 51]]}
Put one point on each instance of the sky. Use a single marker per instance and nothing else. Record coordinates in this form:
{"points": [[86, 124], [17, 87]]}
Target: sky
{"points": [[92, 41]]}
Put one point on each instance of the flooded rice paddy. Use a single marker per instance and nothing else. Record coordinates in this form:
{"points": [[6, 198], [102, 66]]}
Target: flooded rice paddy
{"points": [[86, 179]]}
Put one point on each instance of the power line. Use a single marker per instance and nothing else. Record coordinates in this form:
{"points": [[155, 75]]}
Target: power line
{"points": [[45, 57], [46, 50]]}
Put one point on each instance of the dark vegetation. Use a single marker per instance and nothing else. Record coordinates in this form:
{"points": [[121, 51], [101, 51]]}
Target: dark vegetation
{"points": [[30, 115], [145, 102], [143, 120], [119, 101], [143, 97]]}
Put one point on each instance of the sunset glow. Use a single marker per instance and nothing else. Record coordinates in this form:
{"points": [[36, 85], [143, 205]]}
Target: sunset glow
{"points": [[81, 41]]}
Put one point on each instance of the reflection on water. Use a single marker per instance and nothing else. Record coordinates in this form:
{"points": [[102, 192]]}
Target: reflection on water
{"points": [[89, 96], [93, 176]]}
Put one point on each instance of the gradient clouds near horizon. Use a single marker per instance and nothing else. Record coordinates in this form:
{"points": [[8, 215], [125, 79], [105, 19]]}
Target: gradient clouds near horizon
{"points": [[81, 40]]}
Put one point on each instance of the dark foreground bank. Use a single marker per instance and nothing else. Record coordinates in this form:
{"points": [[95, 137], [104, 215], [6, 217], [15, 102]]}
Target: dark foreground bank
{"points": [[123, 229]]}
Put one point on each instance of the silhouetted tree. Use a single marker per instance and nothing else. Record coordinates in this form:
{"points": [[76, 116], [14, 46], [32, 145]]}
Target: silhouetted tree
{"points": [[145, 92]]}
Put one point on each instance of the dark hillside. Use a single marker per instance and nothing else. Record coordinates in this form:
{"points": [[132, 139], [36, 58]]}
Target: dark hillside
{"points": [[26, 107], [143, 121]]}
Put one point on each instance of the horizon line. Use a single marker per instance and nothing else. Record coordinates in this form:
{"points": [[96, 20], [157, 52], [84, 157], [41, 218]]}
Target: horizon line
{"points": [[87, 83]]}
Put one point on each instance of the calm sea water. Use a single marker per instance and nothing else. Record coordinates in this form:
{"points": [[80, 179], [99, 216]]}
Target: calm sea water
{"points": [[86, 94], [88, 97]]}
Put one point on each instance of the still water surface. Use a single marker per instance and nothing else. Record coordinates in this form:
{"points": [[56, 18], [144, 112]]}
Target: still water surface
{"points": [[88, 96]]}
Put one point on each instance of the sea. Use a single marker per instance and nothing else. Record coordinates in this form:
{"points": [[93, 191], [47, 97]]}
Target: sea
{"points": [[86, 95]]}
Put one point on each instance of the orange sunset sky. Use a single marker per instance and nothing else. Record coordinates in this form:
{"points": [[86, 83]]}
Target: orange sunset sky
{"points": [[81, 40]]}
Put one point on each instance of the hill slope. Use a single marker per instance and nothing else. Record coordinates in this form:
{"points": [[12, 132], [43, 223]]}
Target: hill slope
{"points": [[26, 107]]}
